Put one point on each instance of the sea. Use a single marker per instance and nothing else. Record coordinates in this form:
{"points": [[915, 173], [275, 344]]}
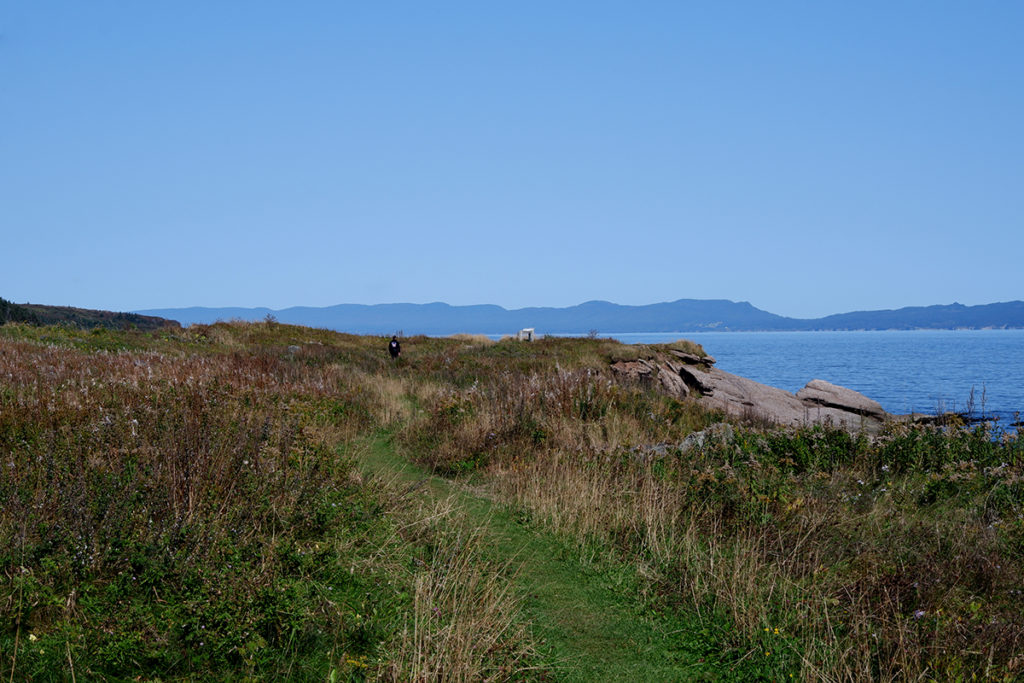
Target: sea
{"points": [[924, 371]]}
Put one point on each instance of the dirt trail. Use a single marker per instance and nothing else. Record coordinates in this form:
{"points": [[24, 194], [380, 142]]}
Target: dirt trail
{"points": [[586, 619]]}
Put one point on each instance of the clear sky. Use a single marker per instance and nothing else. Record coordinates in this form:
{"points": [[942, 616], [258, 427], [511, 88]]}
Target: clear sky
{"points": [[808, 157]]}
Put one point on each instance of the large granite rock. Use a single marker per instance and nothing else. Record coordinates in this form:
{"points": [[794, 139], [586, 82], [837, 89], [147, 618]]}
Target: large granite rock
{"points": [[647, 371], [820, 392], [686, 375]]}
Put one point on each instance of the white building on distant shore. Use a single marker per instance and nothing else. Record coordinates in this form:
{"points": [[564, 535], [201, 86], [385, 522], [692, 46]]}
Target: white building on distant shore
{"points": [[526, 334]]}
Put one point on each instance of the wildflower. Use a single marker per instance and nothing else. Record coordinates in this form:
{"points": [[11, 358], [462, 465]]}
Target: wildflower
{"points": [[32, 637], [359, 663], [918, 613]]}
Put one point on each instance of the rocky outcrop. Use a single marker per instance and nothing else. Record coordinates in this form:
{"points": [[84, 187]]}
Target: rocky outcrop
{"points": [[650, 371], [822, 393], [686, 375]]}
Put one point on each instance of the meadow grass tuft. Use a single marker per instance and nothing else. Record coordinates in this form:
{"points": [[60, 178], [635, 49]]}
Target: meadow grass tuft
{"points": [[479, 339]]}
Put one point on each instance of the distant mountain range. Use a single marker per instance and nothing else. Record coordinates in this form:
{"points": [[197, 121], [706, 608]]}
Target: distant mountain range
{"points": [[684, 315]]}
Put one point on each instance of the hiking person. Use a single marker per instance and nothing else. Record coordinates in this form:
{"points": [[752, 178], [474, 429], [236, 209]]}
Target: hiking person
{"points": [[394, 348]]}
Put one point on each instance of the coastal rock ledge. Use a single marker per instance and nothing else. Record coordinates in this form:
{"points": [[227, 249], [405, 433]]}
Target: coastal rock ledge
{"points": [[686, 375]]}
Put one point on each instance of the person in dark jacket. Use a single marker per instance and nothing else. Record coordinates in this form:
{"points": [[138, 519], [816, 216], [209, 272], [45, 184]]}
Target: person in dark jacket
{"points": [[394, 348]]}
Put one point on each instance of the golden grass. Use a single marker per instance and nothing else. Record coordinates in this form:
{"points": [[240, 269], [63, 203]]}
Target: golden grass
{"points": [[465, 623], [816, 579], [476, 339]]}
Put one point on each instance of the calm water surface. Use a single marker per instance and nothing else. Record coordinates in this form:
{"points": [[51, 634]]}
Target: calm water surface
{"points": [[905, 371]]}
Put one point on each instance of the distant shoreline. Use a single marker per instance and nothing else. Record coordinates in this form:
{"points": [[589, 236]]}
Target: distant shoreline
{"points": [[664, 337], [684, 316]]}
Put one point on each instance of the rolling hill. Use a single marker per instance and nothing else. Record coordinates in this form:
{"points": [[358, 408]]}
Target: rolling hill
{"points": [[683, 315]]}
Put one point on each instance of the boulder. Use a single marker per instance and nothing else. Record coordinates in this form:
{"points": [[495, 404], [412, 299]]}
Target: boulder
{"points": [[692, 358], [744, 397], [673, 384], [819, 402], [643, 370], [720, 432], [820, 392], [635, 370]]}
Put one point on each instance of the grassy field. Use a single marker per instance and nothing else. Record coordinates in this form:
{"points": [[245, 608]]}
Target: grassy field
{"points": [[268, 502]]}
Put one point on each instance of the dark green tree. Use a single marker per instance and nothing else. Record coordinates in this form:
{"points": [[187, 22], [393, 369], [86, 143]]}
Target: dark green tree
{"points": [[13, 313]]}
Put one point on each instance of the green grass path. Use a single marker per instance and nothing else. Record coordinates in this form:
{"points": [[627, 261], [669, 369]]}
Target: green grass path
{"points": [[586, 618]]}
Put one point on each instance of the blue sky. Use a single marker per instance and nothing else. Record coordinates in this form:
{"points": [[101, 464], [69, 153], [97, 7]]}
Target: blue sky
{"points": [[808, 157]]}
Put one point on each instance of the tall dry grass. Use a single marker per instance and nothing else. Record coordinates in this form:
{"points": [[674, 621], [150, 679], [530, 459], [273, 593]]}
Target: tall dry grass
{"points": [[849, 574], [187, 510], [843, 558], [474, 339], [465, 623], [827, 556], [507, 415]]}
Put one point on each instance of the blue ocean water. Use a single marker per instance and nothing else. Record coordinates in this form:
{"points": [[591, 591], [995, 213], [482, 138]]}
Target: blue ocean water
{"points": [[906, 371]]}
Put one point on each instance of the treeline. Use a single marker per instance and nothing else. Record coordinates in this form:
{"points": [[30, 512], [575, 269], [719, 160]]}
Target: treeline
{"points": [[85, 318], [13, 313]]}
